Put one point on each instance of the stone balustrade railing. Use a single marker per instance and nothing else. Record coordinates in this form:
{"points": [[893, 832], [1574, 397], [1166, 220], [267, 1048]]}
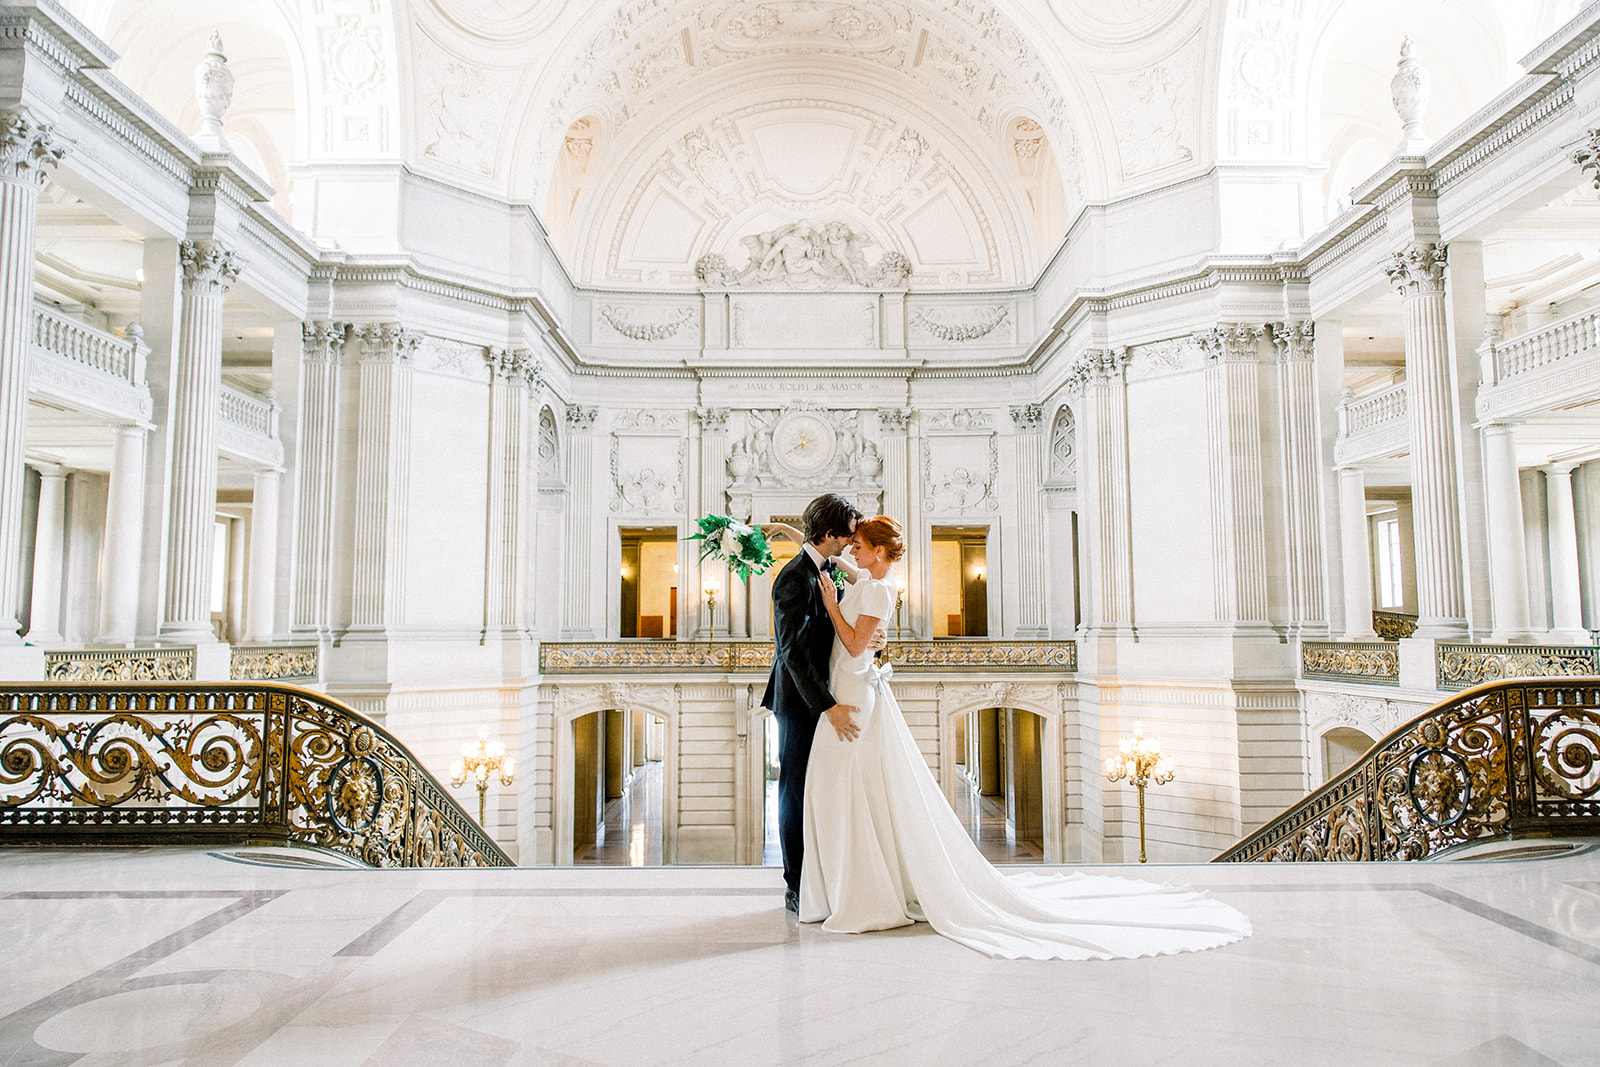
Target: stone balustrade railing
{"points": [[1546, 345], [1371, 412], [64, 336], [249, 413], [681, 657]]}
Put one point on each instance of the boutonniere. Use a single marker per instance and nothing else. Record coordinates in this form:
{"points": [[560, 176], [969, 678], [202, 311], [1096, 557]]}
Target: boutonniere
{"points": [[838, 578]]}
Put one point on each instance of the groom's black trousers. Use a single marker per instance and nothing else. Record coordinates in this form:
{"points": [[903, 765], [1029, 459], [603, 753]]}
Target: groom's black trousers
{"points": [[795, 733]]}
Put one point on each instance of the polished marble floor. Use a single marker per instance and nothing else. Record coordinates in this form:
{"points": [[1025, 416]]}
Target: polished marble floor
{"points": [[167, 957]]}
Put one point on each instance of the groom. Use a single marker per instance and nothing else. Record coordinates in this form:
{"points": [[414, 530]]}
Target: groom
{"points": [[797, 690]]}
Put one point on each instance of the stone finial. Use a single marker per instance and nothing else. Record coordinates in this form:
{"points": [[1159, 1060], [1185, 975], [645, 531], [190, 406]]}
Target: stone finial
{"points": [[1409, 91], [213, 91]]}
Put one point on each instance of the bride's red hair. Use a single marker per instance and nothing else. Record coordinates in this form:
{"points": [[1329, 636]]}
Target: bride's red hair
{"points": [[881, 531]]}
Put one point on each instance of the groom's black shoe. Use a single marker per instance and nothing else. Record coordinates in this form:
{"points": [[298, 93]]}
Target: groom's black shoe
{"points": [[791, 900]]}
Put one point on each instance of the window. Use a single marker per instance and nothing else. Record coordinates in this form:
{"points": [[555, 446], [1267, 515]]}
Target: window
{"points": [[1391, 581]]}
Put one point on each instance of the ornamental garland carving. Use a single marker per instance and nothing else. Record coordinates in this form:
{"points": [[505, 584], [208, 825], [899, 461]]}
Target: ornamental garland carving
{"points": [[959, 419], [648, 421], [960, 333], [618, 319]]}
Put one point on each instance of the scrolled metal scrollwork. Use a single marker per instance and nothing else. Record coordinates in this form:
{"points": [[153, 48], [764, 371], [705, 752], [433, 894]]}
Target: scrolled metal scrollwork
{"points": [[1461, 666], [1376, 662], [599, 657], [233, 762], [1504, 758]]}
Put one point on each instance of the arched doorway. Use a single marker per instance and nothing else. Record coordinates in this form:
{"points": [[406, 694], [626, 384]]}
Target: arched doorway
{"points": [[617, 788], [999, 792], [1342, 746]]}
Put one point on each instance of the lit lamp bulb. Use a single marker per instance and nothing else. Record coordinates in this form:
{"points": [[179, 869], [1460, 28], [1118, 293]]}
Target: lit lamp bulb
{"points": [[479, 760], [1140, 761]]}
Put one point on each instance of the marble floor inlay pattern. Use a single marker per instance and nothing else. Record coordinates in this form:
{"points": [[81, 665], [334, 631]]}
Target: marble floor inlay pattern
{"points": [[146, 957]]}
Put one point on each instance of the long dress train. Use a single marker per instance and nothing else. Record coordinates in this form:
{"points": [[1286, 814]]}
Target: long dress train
{"points": [[884, 849]]}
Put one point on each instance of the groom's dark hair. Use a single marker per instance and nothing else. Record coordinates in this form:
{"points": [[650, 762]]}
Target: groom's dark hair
{"points": [[830, 515]]}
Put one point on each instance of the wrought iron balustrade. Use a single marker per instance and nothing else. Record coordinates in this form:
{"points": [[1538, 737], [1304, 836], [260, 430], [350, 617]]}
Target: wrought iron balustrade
{"points": [[225, 763], [1460, 666], [273, 663], [1504, 759], [174, 664], [1371, 662], [1393, 625], [682, 657]]}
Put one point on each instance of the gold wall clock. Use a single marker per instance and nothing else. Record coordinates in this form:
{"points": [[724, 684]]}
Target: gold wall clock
{"points": [[803, 443]]}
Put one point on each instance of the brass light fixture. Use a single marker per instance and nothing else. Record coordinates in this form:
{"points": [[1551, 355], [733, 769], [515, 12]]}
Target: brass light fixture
{"points": [[1140, 761], [480, 759], [712, 587]]}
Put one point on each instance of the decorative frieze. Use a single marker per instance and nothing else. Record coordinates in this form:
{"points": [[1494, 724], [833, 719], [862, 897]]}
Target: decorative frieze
{"points": [[602, 657], [1460, 666], [960, 332], [120, 665], [272, 663], [1375, 662]]}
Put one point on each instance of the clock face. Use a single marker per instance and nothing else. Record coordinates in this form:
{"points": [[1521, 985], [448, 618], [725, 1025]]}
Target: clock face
{"points": [[803, 443]]}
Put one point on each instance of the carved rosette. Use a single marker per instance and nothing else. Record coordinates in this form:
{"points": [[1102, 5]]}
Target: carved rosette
{"points": [[1231, 342], [207, 267], [1294, 340], [1417, 271], [26, 147]]}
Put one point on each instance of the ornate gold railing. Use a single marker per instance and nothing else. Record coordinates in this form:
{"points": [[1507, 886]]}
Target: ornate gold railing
{"points": [[169, 764], [601, 657], [273, 663], [1372, 662], [1460, 666], [1508, 758], [1393, 625], [120, 665]]}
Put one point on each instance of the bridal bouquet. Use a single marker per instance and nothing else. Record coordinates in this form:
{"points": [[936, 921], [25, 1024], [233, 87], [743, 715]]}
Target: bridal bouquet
{"points": [[743, 546]]}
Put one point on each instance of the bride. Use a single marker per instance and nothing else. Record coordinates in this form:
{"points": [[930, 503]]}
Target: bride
{"points": [[884, 849]]}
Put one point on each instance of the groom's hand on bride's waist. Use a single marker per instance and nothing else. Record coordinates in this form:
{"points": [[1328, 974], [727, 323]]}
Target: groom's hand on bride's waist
{"points": [[843, 725]]}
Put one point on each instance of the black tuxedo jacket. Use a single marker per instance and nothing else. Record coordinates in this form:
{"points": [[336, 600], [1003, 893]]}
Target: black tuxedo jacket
{"points": [[798, 685]]}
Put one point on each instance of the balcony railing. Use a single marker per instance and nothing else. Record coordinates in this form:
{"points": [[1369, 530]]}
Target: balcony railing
{"points": [[1548, 344], [249, 413], [1375, 426], [1370, 412], [64, 336], [682, 657], [1461, 666], [204, 764], [1368, 662], [1504, 759], [1393, 625]]}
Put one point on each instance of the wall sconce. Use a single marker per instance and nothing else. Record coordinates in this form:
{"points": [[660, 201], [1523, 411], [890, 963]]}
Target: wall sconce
{"points": [[899, 599], [977, 572], [712, 587]]}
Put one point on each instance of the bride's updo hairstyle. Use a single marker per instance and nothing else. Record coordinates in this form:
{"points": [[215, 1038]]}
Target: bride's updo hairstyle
{"points": [[883, 532]]}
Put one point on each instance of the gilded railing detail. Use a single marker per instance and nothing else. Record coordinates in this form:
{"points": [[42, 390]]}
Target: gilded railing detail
{"points": [[1510, 757], [203, 763], [1373, 662], [272, 663], [1393, 625], [1461, 666], [590, 657], [120, 665]]}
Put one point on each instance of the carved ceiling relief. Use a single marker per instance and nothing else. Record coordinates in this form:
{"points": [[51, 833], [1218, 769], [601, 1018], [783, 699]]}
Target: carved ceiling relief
{"points": [[464, 107], [1158, 111], [803, 446], [354, 112], [1261, 71]]}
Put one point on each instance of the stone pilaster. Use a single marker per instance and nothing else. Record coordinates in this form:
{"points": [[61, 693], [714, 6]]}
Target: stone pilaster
{"points": [[1566, 606], [262, 598], [711, 426], [578, 534], [1508, 558], [119, 559], [510, 372], [26, 148], [1356, 550], [208, 271], [383, 469], [49, 548], [1100, 376], [893, 425], [322, 350], [1027, 422], [1233, 424], [1302, 491], [1418, 273]]}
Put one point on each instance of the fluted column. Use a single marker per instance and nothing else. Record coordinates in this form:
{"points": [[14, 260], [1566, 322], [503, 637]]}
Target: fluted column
{"points": [[26, 147], [1566, 607], [1302, 498], [1028, 423], [509, 373], [1508, 559], [1103, 440], [49, 545], [322, 350], [1418, 273], [119, 559], [208, 270], [383, 472], [1238, 528], [712, 430], [893, 424], [577, 604], [1356, 549], [262, 598]]}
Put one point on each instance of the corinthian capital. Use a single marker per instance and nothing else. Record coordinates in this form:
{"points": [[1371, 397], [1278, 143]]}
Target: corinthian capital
{"points": [[1231, 341], [207, 266], [1294, 340], [26, 146], [386, 342], [322, 341], [1419, 269]]}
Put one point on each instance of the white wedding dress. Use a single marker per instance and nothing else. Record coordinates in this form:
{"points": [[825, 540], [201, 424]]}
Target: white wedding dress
{"points": [[884, 849]]}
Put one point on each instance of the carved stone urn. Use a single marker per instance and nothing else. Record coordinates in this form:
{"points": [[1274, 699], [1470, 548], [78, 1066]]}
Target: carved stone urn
{"points": [[213, 90], [1409, 90], [738, 463]]}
